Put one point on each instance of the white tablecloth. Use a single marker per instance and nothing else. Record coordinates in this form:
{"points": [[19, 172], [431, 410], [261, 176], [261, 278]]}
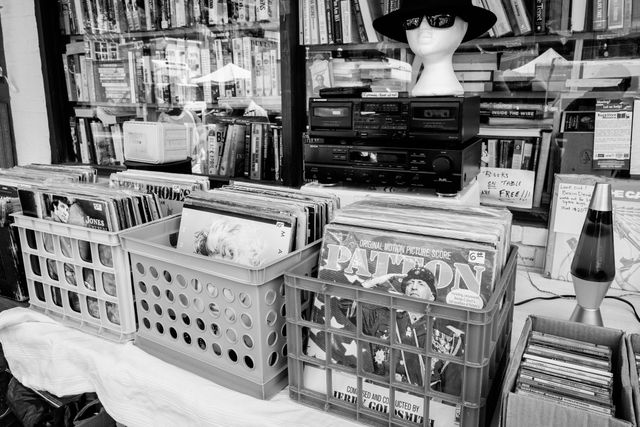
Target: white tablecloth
{"points": [[138, 389]]}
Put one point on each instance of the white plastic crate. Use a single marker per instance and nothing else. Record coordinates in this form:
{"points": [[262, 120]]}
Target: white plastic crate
{"points": [[78, 276], [223, 321]]}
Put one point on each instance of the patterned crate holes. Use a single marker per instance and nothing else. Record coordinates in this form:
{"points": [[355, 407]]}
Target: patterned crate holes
{"points": [[205, 318]]}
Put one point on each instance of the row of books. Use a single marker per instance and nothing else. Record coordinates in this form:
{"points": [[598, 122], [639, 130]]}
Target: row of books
{"points": [[381, 74], [172, 71], [351, 21], [549, 71], [96, 143], [340, 21], [522, 17], [523, 148], [122, 16], [243, 147]]}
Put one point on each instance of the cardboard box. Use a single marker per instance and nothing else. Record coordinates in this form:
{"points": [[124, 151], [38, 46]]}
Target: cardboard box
{"points": [[633, 348], [571, 197], [524, 411]]}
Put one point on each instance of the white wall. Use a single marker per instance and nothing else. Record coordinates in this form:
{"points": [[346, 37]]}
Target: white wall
{"points": [[24, 68]]}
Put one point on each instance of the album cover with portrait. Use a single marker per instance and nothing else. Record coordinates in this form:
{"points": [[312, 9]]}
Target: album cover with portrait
{"points": [[90, 213], [245, 238], [446, 270]]}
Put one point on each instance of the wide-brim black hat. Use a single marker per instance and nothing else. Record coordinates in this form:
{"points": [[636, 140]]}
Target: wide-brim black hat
{"points": [[479, 19]]}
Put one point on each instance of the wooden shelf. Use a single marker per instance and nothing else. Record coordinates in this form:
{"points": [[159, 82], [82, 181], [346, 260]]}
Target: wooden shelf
{"points": [[270, 103], [182, 31], [509, 41]]}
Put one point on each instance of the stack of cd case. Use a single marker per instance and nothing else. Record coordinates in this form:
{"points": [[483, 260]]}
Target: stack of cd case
{"points": [[568, 372]]}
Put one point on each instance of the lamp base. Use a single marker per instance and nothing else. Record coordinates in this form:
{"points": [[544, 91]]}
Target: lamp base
{"points": [[590, 316]]}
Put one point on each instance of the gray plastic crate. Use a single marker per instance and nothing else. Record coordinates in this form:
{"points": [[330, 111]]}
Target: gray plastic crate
{"points": [[486, 336], [220, 320]]}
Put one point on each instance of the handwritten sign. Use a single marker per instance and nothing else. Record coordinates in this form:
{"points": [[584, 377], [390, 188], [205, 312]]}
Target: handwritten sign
{"points": [[506, 187], [572, 205]]}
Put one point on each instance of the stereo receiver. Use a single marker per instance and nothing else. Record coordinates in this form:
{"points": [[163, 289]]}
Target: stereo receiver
{"points": [[445, 166]]}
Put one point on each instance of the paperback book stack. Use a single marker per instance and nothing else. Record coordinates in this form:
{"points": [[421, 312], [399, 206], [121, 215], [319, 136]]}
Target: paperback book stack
{"points": [[12, 280], [252, 224], [567, 372], [429, 252], [170, 188]]}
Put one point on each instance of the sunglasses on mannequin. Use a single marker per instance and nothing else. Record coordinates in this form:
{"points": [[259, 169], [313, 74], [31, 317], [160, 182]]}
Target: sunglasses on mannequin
{"points": [[440, 20]]}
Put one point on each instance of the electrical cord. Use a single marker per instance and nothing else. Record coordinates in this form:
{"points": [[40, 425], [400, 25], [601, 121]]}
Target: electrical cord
{"points": [[554, 296], [573, 296]]}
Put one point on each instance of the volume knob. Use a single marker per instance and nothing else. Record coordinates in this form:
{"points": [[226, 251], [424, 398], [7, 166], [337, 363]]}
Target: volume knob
{"points": [[441, 165]]}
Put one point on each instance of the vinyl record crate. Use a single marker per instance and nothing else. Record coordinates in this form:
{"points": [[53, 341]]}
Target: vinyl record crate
{"points": [[466, 360], [217, 319], [78, 276]]}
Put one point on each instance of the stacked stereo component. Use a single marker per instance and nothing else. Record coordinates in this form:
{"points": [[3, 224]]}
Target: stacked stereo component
{"points": [[391, 139]]}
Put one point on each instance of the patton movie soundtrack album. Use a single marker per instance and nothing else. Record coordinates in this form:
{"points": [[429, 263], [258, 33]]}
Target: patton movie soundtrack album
{"points": [[429, 253]]}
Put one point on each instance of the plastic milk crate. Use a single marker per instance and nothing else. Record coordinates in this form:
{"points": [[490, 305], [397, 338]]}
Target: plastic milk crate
{"points": [[220, 320], [341, 372], [78, 276]]}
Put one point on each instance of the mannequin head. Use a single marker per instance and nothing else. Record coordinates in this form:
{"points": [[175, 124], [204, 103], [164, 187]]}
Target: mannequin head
{"points": [[434, 29], [432, 43]]}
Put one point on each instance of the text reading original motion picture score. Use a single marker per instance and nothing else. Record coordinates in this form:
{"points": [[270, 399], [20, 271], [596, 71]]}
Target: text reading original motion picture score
{"points": [[465, 272]]}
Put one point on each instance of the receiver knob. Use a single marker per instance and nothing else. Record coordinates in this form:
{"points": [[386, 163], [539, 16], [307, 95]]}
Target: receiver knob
{"points": [[441, 165]]}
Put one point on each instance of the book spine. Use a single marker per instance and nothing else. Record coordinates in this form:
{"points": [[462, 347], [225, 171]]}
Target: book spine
{"points": [[345, 10], [265, 72], [306, 25], [249, 63], [492, 146], [578, 14], [541, 167], [329, 18], [337, 22], [522, 18], [511, 16], [313, 22], [205, 64], [256, 150], [628, 13], [518, 153], [362, 31], [246, 170], [502, 26], [275, 70], [615, 20], [635, 15], [554, 16], [540, 17], [322, 22], [600, 15]]}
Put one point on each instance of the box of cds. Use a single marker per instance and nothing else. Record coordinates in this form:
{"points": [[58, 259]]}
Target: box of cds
{"points": [[409, 322], [633, 348], [222, 320], [79, 276], [567, 373]]}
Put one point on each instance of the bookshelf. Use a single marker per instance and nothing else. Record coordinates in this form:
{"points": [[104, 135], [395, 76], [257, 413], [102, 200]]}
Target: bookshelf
{"points": [[559, 57], [225, 63]]}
